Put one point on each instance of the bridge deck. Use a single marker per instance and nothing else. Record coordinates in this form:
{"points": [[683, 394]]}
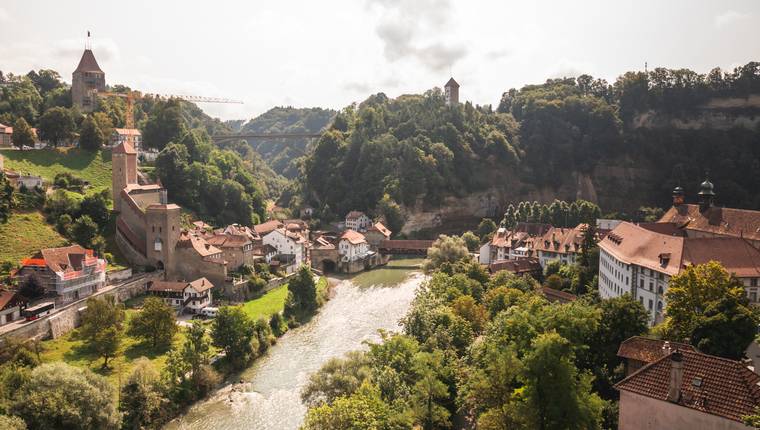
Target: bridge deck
{"points": [[408, 247]]}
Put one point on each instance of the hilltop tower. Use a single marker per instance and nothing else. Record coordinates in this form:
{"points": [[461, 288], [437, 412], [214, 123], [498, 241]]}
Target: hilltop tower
{"points": [[452, 92], [123, 171], [86, 80]]}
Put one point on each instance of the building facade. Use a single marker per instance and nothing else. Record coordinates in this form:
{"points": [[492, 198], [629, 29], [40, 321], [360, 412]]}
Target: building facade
{"points": [[184, 297], [562, 244], [358, 221], [352, 246], [451, 92], [291, 247], [10, 306], [70, 272], [131, 136]]}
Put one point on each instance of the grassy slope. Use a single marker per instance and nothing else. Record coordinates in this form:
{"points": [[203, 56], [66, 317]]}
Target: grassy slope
{"points": [[70, 349], [271, 302], [24, 234], [92, 167]]}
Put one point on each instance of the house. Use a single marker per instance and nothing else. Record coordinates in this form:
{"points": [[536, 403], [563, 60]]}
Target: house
{"points": [[190, 297], [358, 221], [72, 272], [563, 244], [25, 180], [291, 247], [524, 266], [237, 249], [640, 260], [264, 252], [10, 306], [376, 234], [638, 351], [688, 390], [352, 246], [131, 136], [557, 296], [517, 243], [6, 132], [267, 227]]}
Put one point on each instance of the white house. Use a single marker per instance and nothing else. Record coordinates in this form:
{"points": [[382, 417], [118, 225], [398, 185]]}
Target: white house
{"points": [[10, 306], [352, 246], [640, 260], [290, 245], [184, 296], [563, 244], [514, 244], [357, 221]]}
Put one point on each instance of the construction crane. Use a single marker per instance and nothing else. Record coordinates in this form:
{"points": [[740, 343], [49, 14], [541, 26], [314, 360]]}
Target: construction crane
{"points": [[131, 96]]}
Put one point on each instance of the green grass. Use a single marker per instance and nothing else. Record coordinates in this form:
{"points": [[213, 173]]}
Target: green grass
{"points": [[271, 302], [72, 350], [94, 167], [24, 234]]}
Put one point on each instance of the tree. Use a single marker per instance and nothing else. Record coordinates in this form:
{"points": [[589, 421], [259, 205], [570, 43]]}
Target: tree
{"points": [[187, 368], [338, 377], [61, 396], [156, 323], [233, 331], [84, 231], [391, 212], [428, 391], [471, 240], [554, 395], [31, 288], [22, 134], [91, 136], [6, 198], [727, 328], [95, 206], [690, 294], [101, 327], [446, 249], [11, 423], [364, 410], [56, 125], [143, 404], [486, 227], [165, 124], [302, 294]]}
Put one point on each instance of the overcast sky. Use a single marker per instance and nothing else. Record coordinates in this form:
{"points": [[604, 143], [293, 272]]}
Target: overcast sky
{"points": [[331, 53]]}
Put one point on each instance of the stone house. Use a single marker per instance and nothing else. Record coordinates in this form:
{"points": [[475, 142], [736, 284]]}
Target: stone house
{"points": [[687, 390], [358, 221], [376, 234], [237, 250], [70, 272]]}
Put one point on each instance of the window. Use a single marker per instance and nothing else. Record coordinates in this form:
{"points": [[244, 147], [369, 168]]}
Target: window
{"points": [[659, 306], [641, 283], [659, 289], [753, 282], [651, 286], [650, 304]]}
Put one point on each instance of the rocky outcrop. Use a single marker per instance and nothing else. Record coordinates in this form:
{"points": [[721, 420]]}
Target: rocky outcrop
{"points": [[718, 113]]}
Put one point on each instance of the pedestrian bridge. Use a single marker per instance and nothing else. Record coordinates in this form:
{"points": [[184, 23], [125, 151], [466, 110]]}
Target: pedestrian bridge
{"points": [[405, 247]]}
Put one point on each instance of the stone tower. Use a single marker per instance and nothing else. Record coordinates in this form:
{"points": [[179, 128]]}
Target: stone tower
{"points": [[86, 80], [162, 228], [123, 171], [452, 92]]}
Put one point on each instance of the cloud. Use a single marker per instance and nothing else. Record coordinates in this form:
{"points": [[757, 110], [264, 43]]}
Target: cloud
{"points": [[730, 17], [419, 30], [105, 49], [358, 87], [498, 54], [4, 15], [566, 68]]}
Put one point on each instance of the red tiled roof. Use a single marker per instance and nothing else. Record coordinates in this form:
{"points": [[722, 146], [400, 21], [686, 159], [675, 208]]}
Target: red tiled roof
{"points": [[712, 385], [523, 265], [88, 63], [190, 240], [202, 284], [354, 215], [127, 131], [561, 240], [724, 221], [648, 350], [227, 240], [124, 148], [267, 227], [557, 296], [353, 237], [168, 286], [379, 227], [8, 299], [64, 259]]}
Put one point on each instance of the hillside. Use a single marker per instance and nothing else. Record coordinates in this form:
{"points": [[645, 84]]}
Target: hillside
{"points": [[25, 234], [280, 154], [563, 139], [94, 167]]}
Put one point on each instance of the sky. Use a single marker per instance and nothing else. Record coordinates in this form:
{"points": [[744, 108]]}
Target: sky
{"points": [[331, 53]]}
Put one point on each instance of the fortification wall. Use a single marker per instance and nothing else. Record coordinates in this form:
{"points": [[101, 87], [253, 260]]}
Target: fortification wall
{"points": [[188, 265], [132, 255]]}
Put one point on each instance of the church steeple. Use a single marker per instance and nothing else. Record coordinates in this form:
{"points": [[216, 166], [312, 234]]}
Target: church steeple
{"points": [[706, 194]]}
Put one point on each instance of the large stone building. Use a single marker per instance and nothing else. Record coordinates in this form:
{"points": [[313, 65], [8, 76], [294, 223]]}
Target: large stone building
{"points": [[640, 259], [86, 81], [148, 229]]}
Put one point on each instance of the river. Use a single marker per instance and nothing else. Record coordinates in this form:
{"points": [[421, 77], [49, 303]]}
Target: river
{"points": [[270, 398]]}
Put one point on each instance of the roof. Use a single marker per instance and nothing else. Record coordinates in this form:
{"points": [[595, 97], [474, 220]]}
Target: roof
{"points": [[228, 240], [713, 385], [648, 350], [557, 296], [267, 227], [190, 240], [452, 83], [201, 284], [523, 265], [64, 259], [264, 249], [88, 63], [379, 227], [724, 221], [8, 297], [353, 237], [127, 131], [176, 287], [561, 240], [124, 148], [634, 244], [355, 215]]}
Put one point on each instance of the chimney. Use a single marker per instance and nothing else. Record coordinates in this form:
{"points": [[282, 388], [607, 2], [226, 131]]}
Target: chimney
{"points": [[676, 377]]}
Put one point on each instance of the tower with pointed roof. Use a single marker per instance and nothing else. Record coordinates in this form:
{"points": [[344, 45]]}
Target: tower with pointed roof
{"points": [[86, 80], [452, 92]]}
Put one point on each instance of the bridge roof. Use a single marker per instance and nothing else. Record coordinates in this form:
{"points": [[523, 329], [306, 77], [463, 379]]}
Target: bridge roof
{"points": [[406, 244]]}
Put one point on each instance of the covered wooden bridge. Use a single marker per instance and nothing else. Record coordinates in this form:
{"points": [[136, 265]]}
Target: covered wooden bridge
{"points": [[405, 247]]}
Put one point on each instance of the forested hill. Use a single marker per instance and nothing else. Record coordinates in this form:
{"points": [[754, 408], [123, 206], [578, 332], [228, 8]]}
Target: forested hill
{"points": [[623, 145], [281, 154]]}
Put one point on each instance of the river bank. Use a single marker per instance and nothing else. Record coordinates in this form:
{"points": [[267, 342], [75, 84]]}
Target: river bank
{"points": [[269, 397]]}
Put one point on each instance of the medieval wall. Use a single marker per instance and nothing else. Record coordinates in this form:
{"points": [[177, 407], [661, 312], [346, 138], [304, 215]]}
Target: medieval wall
{"points": [[189, 266]]}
